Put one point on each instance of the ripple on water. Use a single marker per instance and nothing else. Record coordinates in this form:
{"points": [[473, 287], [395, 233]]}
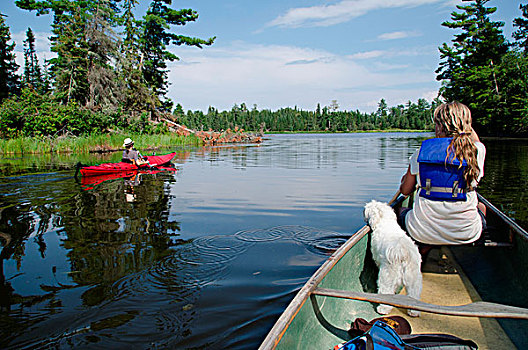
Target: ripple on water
{"points": [[169, 290], [206, 260], [315, 239], [191, 267], [260, 235]]}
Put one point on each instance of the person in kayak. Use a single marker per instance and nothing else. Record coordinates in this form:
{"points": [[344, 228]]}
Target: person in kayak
{"points": [[447, 170], [131, 155]]}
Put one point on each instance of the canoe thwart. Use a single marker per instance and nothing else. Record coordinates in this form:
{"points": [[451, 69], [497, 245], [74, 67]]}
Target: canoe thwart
{"points": [[475, 309]]}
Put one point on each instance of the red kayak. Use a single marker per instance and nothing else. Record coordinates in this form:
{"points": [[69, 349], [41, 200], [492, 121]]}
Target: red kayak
{"points": [[89, 182], [108, 168]]}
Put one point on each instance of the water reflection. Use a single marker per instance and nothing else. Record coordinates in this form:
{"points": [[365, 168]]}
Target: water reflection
{"points": [[102, 238], [506, 177], [130, 183], [207, 256]]}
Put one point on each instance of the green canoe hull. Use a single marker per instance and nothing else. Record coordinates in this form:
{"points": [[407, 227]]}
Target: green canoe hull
{"points": [[314, 321]]}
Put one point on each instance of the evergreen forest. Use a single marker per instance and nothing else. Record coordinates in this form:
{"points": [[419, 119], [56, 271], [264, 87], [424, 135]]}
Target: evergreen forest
{"points": [[411, 116], [110, 74]]}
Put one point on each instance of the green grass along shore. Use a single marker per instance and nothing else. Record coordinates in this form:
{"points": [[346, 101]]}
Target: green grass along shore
{"points": [[92, 143]]}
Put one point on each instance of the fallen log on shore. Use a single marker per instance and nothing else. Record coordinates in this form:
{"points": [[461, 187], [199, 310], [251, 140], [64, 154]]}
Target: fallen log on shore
{"points": [[216, 137]]}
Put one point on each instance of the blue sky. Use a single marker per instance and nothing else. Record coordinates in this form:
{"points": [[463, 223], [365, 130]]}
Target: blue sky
{"points": [[279, 53]]}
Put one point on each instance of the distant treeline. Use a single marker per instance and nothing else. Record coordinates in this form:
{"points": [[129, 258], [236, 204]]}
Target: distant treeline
{"points": [[416, 116]]}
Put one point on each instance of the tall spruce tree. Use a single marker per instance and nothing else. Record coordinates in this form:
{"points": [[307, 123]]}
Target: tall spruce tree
{"points": [[103, 45], [515, 70], [468, 69], [33, 76], [9, 80], [156, 36], [83, 39], [138, 96], [69, 27]]}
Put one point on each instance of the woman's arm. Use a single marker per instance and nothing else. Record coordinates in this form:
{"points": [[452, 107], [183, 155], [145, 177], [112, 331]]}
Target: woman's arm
{"points": [[408, 183], [474, 136]]}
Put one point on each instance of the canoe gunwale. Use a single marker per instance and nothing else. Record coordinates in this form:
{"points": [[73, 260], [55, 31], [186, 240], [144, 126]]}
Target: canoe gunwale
{"points": [[512, 224], [274, 336]]}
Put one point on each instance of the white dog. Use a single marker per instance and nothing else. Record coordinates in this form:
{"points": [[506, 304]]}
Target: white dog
{"points": [[395, 254]]}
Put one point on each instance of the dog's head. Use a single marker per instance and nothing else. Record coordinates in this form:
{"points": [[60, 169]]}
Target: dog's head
{"points": [[374, 212]]}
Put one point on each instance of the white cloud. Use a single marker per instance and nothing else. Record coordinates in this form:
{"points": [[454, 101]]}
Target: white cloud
{"points": [[277, 76], [430, 95], [397, 35], [368, 55], [342, 11]]}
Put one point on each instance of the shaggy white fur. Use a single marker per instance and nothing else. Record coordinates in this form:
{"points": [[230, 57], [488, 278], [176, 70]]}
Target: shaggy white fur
{"points": [[395, 254]]}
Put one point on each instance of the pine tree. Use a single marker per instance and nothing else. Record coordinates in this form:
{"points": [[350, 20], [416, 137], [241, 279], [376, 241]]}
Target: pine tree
{"points": [[138, 96], [9, 80], [468, 69], [33, 76], [85, 44], [156, 36], [382, 108], [69, 69], [103, 44], [97, 69]]}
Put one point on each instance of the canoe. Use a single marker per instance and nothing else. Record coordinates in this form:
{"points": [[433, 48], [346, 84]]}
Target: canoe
{"points": [[108, 168], [455, 281], [89, 182]]}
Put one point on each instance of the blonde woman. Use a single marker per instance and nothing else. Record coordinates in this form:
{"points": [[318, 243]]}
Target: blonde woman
{"points": [[446, 169]]}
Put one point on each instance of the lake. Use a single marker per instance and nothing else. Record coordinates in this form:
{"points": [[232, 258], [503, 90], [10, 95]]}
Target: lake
{"points": [[204, 257]]}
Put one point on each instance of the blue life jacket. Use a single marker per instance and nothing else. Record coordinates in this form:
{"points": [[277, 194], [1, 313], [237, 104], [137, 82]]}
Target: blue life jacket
{"points": [[441, 178], [383, 337]]}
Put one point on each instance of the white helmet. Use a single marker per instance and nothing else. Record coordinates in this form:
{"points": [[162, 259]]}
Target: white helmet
{"points": [[128, 142]]}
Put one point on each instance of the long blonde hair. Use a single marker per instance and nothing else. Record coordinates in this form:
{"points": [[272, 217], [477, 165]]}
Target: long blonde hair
{"points": [[454, 119]]}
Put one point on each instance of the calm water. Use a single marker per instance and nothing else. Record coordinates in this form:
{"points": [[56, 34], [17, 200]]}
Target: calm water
{"points": [[204, 257]]}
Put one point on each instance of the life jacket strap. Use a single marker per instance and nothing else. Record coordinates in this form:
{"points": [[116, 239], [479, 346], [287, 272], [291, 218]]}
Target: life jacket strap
{"points": [[455, 190]]}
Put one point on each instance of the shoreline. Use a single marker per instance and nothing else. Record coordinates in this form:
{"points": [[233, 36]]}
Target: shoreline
{"points": [[104, 143], [107, 143], [345, 132]]}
